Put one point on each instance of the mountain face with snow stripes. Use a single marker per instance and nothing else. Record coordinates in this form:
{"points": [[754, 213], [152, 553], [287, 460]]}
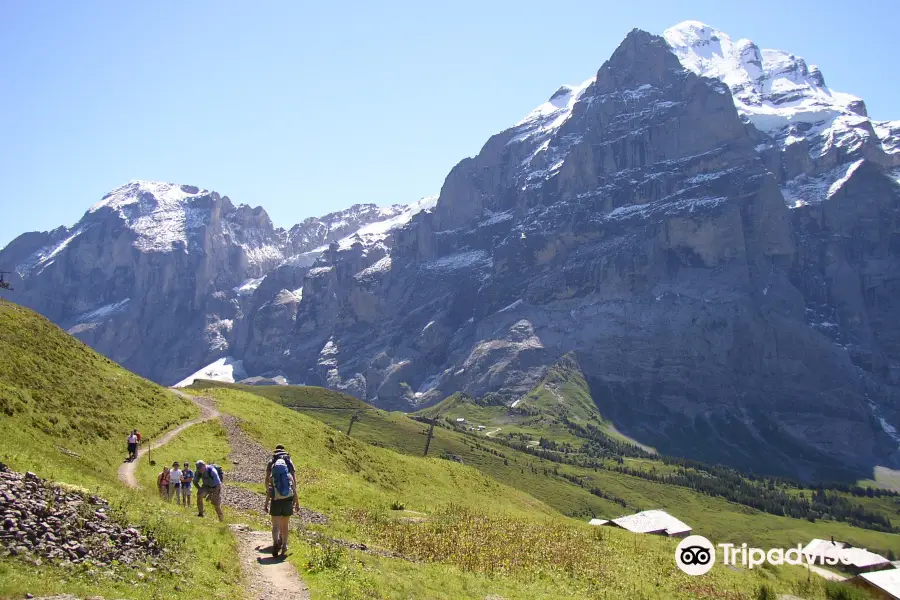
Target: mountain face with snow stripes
{"points": [[159, 276], [705, 224]]}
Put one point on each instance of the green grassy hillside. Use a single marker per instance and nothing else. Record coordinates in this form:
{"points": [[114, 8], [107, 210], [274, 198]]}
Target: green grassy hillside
{"points": [[399, 525], [461, 533], [556, 409], [552, 482], [58, 397], [66, 412]]}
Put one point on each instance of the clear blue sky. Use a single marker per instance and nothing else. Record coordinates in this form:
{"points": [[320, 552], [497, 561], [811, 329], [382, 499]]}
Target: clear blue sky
{"points": [[309, 107]]}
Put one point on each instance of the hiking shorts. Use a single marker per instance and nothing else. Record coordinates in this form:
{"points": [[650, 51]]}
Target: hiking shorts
{"points": [[283, 507], [185, 489], [132, 448], [214, 495]]}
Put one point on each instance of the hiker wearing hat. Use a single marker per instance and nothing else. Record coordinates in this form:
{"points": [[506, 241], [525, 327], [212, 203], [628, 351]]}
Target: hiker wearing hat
{"points": [[281, 453], [281, 497], [208, 479], [187, 481], [281, 502]]}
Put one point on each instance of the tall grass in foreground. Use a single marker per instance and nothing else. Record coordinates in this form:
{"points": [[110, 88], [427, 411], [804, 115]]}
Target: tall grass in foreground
{"points": [[597, 562], [492, 544]]}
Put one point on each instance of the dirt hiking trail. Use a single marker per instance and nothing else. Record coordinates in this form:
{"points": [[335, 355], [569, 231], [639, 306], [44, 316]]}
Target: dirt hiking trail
{"points": [[208, 412], [266, 578]]}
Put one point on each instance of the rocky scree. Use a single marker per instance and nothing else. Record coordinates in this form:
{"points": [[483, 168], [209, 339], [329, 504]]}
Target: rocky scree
{"points": [[249, 460], [46, 521]]}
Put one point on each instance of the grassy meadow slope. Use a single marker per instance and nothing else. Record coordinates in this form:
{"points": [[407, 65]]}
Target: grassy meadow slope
{"points": [[714, 517], [58, 395], [66, 411], [461, 534]]}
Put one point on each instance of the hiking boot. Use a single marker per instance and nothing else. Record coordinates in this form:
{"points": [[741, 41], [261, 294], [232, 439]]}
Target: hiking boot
{"points": [[284, 549], [276, 548]]}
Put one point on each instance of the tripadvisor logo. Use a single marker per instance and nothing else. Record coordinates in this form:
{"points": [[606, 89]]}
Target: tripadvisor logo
{"points": [[696, 555]]}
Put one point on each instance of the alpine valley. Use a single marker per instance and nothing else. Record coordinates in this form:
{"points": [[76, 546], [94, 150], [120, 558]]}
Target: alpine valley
{"points": [[704, 229]]}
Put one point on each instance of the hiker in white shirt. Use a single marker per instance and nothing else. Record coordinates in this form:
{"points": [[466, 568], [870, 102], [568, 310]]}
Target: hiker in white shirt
{"points": [[132, 445], [175, 483]]}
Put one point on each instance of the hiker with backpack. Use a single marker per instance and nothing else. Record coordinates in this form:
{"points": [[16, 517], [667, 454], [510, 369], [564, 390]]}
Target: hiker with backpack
{"points": [[187, 480], [281, 502], [281, 497], [208, 480], [281, 453]]}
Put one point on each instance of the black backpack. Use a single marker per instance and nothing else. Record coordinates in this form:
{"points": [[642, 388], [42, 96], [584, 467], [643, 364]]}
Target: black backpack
{"points": [[219, 471]]}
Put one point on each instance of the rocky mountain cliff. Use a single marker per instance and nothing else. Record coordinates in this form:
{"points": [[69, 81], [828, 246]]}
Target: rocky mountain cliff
{"points": [[706, 225], [159, 276]]}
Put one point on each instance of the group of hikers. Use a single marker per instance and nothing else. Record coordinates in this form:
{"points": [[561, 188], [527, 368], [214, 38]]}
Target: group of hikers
{"points": [[176, 483]]}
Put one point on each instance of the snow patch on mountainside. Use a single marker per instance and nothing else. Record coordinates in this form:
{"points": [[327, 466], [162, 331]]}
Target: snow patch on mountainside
{"points": [[549, 116], [376, 232], [99, 314], [771, 88], [889, 134], [160, 214], [249, 286], [371, 235], [163, 193], [460, 260], [539, 127], [225, 369], [46, 255], [803, 190], [381, 266]]}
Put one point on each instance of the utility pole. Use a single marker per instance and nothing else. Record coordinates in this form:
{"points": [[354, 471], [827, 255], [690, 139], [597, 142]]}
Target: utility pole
{"points": [[353, 420], [430, 435]]}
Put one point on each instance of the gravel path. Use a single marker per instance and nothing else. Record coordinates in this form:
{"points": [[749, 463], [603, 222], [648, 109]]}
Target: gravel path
{"points": [[249, 459], [267, 578]]}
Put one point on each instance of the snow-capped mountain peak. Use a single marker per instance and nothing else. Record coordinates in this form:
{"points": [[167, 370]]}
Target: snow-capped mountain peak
{"points": [[772, 88], [161, 214], [818, 130], [165, 194]]}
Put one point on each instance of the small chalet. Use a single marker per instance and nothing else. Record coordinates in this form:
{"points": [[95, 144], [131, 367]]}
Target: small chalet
{"points": [[657, 522], [860, 559]]}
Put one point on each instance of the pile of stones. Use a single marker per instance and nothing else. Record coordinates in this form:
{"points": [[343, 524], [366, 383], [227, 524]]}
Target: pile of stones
{"points": [[42, 521]]}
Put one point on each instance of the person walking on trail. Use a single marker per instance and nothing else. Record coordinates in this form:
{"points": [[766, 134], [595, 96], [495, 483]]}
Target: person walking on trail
{"points": [[281, 502], [209, 487], [162, 483], [187, 480], [132, 445], [280, 453], [175, 483]]}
